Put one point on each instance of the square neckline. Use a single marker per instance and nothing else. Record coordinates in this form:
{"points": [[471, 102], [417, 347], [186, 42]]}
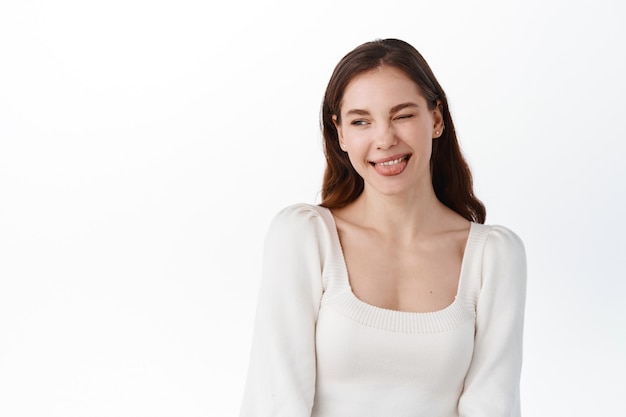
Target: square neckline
{"points": [[374, 308]]}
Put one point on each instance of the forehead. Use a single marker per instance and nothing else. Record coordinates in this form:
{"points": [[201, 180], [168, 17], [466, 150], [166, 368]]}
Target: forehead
{"points": [[383, 86]]}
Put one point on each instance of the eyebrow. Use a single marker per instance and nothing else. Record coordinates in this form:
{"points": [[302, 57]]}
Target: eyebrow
{"points": [[393, 110], [402, 106]]}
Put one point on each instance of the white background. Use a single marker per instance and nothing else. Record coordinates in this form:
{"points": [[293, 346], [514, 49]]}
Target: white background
{"points": [[146, 145]]}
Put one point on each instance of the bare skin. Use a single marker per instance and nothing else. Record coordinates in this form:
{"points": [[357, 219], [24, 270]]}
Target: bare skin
{"points": [[402, 265]]}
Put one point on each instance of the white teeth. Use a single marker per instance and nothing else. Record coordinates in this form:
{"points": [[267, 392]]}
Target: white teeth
{"points": [[395, 161]]}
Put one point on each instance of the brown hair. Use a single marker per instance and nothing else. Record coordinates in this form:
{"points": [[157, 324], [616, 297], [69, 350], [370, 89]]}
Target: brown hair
{"points": [[451, 176]]}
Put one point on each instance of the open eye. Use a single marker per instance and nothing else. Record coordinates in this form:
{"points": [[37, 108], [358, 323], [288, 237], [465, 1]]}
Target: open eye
{"points": [[358, 122]]}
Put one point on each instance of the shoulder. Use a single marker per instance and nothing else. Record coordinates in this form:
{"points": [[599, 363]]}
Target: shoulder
{"points": [[299, 212], [298, 221], [498, 238], [297, 216], [299, 236], [504, 254], [504, 242]]}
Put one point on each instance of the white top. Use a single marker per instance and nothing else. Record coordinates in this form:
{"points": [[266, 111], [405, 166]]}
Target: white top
{"points": [[319, 351]]}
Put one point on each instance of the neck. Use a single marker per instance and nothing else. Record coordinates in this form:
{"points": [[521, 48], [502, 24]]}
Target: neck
{"points": [[401, 218]]}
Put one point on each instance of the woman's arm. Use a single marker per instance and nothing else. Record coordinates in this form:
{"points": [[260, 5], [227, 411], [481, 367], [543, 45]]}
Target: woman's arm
{"points": [[492, 382], [281, 376]]}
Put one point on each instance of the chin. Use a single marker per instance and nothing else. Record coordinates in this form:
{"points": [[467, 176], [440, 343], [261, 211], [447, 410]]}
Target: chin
{"points": [[391, 190]]}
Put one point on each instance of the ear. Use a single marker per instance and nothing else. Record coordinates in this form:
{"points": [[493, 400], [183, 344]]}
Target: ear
{"points": [[438, 124], [338, 127], [342, 145]]}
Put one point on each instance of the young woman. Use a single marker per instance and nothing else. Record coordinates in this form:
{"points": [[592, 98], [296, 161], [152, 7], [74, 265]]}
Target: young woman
{"points": [[391, 298]]}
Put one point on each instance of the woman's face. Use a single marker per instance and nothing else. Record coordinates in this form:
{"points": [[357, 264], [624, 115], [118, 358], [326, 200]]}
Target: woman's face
{"points": [[387, 130]]}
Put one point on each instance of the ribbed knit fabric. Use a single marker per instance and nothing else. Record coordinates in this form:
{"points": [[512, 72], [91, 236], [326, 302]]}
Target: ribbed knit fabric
{"points": [[320, 351]]}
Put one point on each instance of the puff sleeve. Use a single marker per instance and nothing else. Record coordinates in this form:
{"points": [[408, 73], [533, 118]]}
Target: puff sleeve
{"points": [[282, 369], [491, 387]]}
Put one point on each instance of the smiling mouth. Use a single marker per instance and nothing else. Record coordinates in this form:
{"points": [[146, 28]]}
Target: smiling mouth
{"points": [[391, 162], [392, 166]]}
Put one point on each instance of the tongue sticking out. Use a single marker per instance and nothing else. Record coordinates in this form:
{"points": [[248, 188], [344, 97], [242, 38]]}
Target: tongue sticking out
{"points": [[392, 167]]}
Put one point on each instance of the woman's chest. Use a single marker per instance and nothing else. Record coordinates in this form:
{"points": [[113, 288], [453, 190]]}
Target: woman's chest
{"points": [[417, 278], [423, 358]]}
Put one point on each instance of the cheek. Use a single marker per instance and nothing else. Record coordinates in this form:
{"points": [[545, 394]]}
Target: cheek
{"points": [[355, 143], [420, 136], [357, 160], [357, 157]]}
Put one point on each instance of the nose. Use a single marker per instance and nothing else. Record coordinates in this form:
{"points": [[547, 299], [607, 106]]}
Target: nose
{"points": [[386, 137]]}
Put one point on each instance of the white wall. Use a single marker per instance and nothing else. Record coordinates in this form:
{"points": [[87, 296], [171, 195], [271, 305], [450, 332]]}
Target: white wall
{"points": [[145, 146]]}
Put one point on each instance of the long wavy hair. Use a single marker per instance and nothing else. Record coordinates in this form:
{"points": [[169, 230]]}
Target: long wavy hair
{"points": [[451, 176]]}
